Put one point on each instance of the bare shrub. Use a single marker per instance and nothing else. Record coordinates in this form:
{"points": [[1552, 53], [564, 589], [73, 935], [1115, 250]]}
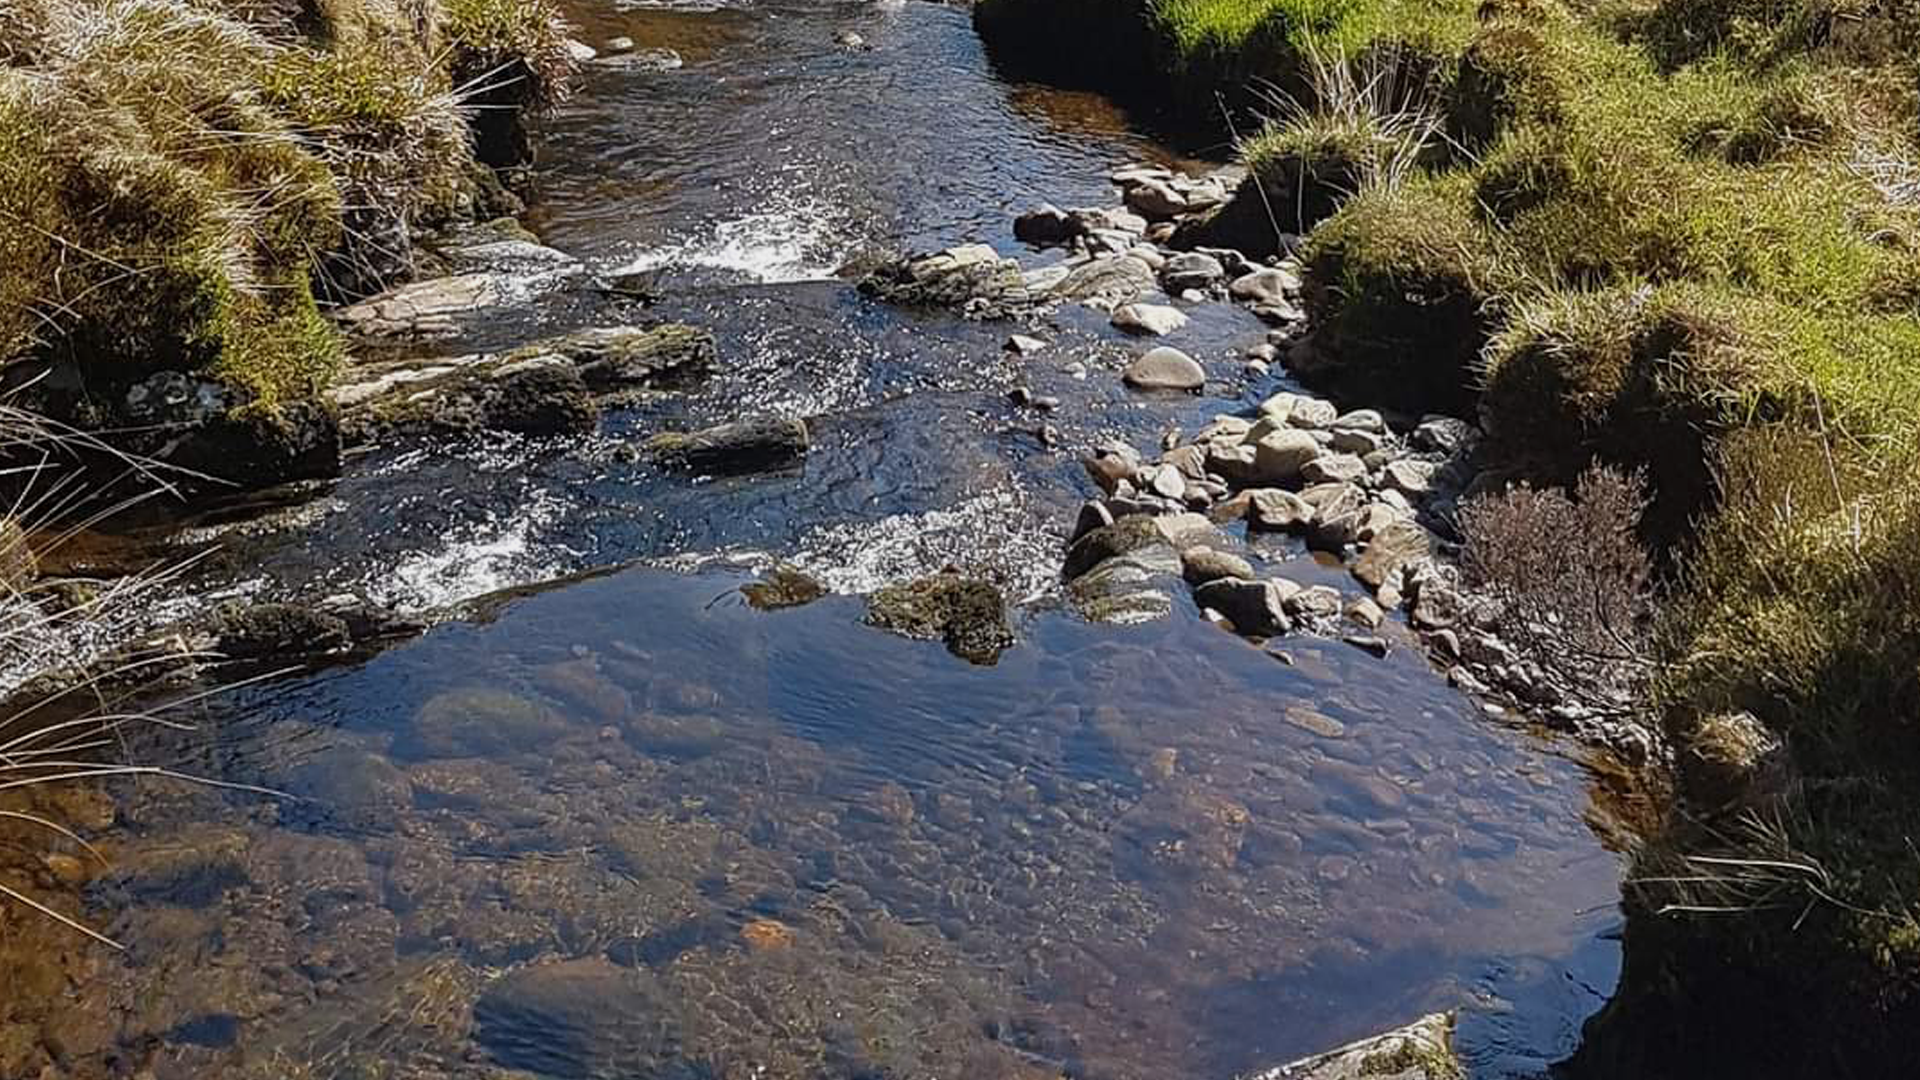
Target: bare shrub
{"points": [[1569, 580]]}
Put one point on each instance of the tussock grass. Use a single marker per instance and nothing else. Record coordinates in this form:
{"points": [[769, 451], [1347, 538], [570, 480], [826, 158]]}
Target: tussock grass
{"points": [[177, 176], [1402, 288]]}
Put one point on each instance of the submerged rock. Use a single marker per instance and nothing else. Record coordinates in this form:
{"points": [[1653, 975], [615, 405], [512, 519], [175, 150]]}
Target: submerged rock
{"points": [[618, 357], [480, 721], [969, 614], [749, 445], [580, 1019]]}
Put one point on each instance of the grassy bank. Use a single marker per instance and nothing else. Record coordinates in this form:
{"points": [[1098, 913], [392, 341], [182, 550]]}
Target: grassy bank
{"points": [[183, 182], [1681, 237], [1202, 60]]}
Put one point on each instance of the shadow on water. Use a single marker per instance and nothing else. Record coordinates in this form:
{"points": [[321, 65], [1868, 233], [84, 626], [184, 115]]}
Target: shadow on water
{"points": [[634, 827]]}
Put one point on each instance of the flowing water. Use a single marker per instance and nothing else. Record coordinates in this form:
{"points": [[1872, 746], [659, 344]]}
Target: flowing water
{"points": [[633, 826]]}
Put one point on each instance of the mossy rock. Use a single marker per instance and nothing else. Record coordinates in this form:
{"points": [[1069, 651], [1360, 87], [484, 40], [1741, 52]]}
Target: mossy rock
{"points": [[782, 587], [967, 613], [1401, 287]]}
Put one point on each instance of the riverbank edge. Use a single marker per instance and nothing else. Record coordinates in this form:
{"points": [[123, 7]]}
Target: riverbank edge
{"points": [[1737, 988]]}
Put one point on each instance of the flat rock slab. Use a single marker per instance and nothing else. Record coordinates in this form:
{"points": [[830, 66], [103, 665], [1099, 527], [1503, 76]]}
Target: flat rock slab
{"points": [[547, 387], [1391, 549], [1165, 369], [749, 445], [423, 310], [1423, 1050], [1154, 319]]}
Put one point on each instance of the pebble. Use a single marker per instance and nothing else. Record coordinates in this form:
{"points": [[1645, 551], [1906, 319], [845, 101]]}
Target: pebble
{"points": [[1409, 477], [1191, 270], [1265, 287], [1279, 457], [1355, 441], [1318, 602], [1203, 564], [1364, 611], [1310, 719], [1277, 510], [1167, 483], [1153, 319], [1312, 413], [1023, 345], [1165, 368], [1367, 420], [1333, 468], [619, 44]]}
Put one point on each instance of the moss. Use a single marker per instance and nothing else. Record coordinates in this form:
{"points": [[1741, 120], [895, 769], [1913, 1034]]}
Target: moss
{"points": [[967, 613], [1400, 288]]}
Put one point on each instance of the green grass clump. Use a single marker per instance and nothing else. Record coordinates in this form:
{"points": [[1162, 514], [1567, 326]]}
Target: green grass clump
{"points": [[176, 181], [1401, 287], [509, 60], [521, 44]]}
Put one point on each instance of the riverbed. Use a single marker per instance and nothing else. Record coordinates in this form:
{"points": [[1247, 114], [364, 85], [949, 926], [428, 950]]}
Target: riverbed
{"points": [[633, 825]]}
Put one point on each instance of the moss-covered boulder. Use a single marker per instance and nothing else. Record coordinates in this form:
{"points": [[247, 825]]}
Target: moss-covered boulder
{"points": [[967, 613]]}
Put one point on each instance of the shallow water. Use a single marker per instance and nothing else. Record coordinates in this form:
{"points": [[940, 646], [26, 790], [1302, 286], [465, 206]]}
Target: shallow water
{"points": [[783, 841], [633, 827]]}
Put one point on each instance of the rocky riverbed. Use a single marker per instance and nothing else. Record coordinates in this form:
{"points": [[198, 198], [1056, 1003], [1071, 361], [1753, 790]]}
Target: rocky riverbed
{"points": [[1063, 687]]}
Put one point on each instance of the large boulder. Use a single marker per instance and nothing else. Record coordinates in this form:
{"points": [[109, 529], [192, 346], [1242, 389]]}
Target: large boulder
{"points": [[971, 277], [1181, 532]]}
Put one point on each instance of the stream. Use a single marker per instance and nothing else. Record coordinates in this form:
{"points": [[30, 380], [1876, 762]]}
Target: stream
{"points": [[633, 825]]}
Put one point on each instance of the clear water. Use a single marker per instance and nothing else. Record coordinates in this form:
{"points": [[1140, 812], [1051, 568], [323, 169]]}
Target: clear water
{"points": [[632, 827]]}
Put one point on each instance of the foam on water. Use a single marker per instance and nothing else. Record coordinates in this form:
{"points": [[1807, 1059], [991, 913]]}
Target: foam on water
{"points": [[797, 239], [500, 554], [990, 532]]}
